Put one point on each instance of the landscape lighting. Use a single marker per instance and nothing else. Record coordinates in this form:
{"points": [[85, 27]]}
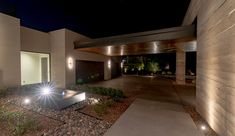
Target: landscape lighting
{"points": [[46, 90], [26, 101]]}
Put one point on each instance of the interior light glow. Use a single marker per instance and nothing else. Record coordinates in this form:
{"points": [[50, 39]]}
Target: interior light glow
{"points": [[70, 63]]}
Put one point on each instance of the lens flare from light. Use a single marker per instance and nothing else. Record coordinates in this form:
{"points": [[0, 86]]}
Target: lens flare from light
{"points": [[46, 90]]}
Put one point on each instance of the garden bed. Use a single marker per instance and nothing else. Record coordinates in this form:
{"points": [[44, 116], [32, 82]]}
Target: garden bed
{"points": [[111, 113], [106, 104], [51, 122]]}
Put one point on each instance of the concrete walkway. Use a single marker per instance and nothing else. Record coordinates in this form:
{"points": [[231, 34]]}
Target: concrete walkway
{"points": [[151, 118], [157, 109]]}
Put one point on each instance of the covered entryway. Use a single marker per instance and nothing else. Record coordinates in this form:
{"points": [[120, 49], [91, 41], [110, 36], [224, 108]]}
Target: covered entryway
{"points": [[157, 101], [178, 40]]}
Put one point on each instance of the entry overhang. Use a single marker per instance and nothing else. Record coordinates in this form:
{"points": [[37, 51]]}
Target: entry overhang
{"points": [[149, 36]]}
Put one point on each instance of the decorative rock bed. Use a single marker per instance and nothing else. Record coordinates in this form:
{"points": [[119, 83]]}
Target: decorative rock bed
{"points": [[73, 122]]}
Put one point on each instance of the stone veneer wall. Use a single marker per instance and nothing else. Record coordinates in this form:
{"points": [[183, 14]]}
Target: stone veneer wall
{"points": [[215, 62]]}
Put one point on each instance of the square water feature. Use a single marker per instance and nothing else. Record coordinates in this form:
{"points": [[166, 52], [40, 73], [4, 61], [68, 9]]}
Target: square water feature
{"points": [[62, 99]]}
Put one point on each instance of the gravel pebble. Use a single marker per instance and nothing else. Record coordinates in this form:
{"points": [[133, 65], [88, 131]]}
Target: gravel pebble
{"points": [[75, 123]]}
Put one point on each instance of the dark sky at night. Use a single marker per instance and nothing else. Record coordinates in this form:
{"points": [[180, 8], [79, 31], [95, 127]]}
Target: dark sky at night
{"points": [[97, 18]]}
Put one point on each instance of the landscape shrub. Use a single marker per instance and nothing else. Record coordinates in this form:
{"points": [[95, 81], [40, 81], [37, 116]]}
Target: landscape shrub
{"points": [[101, 108], [115, 94], [25, 125], [18, 122]]}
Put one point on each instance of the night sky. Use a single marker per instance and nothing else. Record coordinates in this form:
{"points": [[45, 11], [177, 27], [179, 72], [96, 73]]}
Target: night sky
{"points": [[97, 18]]}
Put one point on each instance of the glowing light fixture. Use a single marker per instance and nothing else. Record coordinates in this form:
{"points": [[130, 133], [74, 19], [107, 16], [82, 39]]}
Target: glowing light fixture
{"points": [[70, 63], [109, 50], [121, 64], [46, 90], [26, 101], [109, 64], [155, 47], [203, 127]]}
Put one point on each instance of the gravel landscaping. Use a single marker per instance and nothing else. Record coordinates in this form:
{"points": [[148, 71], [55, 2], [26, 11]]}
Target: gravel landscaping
{"points": [[67, 122]]}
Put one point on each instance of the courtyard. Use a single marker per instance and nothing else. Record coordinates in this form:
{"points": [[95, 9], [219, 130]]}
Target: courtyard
{"points": [[122, 67], [80, 120]]}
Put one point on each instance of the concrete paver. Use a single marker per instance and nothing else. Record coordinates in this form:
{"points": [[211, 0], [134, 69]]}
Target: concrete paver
{"points": [[150, 118]]}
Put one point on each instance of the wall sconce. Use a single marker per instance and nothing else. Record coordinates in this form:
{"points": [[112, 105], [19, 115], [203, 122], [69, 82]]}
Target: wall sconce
{"points": [[70, 63], [109, 64], [121, 64]]}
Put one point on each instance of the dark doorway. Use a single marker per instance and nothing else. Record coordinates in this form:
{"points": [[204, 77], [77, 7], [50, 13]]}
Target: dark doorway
{"points": [[115, 70], [89, 71]]}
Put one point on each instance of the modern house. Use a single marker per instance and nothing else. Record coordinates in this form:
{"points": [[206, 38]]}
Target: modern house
{"points": [[29, 56]]}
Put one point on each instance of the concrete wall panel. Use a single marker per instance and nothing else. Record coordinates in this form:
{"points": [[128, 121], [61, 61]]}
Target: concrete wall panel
{"points": [[215, 62]]}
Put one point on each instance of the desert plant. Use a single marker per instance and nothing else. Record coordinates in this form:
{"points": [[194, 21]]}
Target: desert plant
{"points": [[101, 108], [18, 122], [24, 126]]}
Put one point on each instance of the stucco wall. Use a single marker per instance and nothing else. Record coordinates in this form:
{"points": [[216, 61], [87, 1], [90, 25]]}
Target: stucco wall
{"points": [[57, 42], [34, 41], [9, 50], [215, 63], [78, 55]]}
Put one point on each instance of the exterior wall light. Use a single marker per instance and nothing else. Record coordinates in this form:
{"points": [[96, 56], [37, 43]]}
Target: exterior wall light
{"points": [[109, 64], [70, 63], [203, 127]]}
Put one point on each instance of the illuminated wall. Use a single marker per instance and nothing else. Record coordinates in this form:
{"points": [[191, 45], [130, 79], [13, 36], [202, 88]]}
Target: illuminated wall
{"points": [[31, 72], [63, 57], [215, 62], [9, 50]]}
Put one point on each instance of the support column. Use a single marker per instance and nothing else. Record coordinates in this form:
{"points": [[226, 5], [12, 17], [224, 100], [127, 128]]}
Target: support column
{"points": [[180, 66]]}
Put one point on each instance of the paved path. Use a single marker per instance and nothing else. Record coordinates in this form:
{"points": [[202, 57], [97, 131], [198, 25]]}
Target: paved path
{"points": [[150, 118], [157, 111]]}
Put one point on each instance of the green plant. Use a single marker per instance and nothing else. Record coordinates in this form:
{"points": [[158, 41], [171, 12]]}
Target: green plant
{"points": [[80, 81], [101, 108], [24, 126], [115, 94], [153, 67], [18, 122]]}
